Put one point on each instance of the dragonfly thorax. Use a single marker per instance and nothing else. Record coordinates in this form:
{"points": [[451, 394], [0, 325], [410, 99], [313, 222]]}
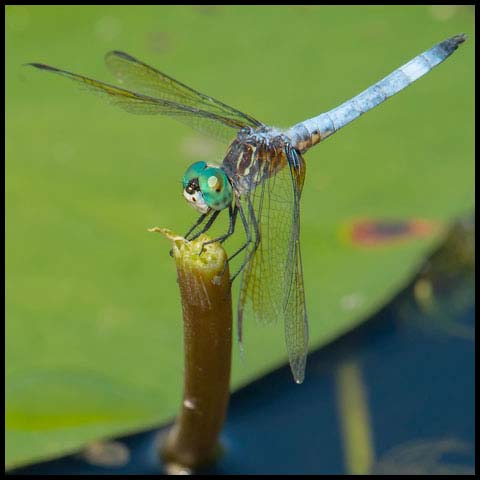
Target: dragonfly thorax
{"points": [[256, 154], [206, 187]]}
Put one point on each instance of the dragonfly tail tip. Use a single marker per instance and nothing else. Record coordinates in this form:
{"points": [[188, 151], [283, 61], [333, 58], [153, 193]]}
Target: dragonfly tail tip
{"points": [[456, 40]]}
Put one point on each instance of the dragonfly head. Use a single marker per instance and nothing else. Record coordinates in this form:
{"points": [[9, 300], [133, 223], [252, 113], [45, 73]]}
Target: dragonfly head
{"points": [[206, 187]]}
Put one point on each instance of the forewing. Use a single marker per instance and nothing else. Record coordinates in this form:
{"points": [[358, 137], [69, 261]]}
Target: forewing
{"points": [[272, 282], [216, 125], [145, 79]]}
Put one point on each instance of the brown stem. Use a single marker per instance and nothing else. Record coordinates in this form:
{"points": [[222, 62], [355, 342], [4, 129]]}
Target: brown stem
{"points": [[204, 282]]}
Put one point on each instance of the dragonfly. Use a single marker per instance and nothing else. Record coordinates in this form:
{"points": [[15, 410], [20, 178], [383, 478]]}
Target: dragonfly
{"points": [[259, 181]]}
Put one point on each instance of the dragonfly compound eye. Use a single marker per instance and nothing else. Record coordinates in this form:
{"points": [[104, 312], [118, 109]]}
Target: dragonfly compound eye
{"points": [[192, 186], [215, 187], [193, 172]]}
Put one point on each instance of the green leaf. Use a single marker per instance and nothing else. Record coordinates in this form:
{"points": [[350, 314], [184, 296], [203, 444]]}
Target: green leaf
{"points": [[94, 334]]}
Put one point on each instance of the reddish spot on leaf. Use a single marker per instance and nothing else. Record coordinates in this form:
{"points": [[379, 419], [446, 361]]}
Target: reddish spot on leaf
{"points": [[382, 232]]}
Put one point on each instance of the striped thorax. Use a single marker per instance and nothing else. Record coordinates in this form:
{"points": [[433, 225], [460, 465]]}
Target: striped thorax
{"points": [[254, 156]]}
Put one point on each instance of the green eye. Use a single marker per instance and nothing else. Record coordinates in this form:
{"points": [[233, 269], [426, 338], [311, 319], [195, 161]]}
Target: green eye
{"points": [[215, 187], [193, 172]]}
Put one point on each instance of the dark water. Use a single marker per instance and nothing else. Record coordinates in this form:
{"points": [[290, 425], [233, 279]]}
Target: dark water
{"points": [[395, 395]]}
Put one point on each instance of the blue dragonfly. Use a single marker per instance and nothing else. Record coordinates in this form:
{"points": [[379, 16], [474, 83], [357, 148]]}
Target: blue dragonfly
{"points": [[260, 179]]}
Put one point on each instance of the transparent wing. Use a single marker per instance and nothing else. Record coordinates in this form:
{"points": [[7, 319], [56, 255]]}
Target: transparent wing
{"points": [[143, 78], [296, 322], [218, 125], [272, 282]]}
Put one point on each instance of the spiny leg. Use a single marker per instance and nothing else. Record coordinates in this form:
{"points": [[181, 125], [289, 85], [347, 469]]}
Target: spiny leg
{"points": [[196, 224], [249, 237], [256, 230], [207, 225], [247, 232], [199, 221], [233, 218], [237, 208], [232, 212]]}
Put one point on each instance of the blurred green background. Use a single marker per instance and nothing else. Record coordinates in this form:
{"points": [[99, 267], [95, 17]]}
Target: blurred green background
{"points": [[93, 332]]}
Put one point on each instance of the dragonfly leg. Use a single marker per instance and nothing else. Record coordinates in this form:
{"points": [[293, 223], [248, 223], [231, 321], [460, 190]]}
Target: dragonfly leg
{"points": [[249, 238], [207, 225], [233, 218], [241, 249], [256, 230], [196, 224], [247, 232]]}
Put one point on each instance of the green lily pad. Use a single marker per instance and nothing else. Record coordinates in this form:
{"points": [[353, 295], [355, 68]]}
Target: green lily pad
{"points": [[93, 332]]}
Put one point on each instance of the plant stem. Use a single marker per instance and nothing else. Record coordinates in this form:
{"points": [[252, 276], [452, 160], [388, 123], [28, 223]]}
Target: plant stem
{"points": [[204, 282]]}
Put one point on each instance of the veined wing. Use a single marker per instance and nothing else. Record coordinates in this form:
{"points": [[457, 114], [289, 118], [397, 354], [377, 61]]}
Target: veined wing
{"points": [[221, 126], [143, 78], [272, 282], [296, 322]]}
